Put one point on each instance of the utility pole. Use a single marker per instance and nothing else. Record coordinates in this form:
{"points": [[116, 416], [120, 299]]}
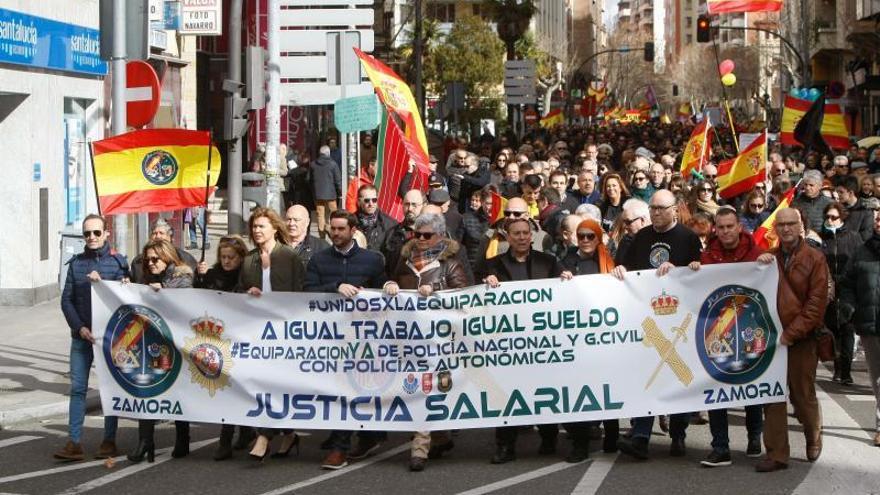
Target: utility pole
{"points": [[417, 58], [118, 116], [233, 155], [273, 108]]}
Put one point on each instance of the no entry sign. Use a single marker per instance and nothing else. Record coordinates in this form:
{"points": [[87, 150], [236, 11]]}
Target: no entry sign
{"points": [[141, 93]]}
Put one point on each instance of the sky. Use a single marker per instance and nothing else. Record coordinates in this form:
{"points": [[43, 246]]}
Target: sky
{"points": [[610, 12]]}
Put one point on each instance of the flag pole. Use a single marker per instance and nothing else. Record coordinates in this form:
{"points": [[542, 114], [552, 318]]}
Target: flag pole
{"points": [[94, 174], [207, 187]]}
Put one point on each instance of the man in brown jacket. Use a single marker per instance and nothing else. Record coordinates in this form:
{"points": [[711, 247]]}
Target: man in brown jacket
{"points": [[801, 301]]}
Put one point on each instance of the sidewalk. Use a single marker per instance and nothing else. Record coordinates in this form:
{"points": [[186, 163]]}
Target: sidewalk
{"points": [[34, 358]]}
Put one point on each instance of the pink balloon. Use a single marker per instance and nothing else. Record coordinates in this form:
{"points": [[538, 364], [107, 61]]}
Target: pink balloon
{"points": [[726, 67]]}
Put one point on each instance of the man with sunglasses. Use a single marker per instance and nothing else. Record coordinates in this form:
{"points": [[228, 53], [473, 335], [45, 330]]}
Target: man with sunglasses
{"points": [[661, 246], [496, 240], [96, 262], [372, 222]]}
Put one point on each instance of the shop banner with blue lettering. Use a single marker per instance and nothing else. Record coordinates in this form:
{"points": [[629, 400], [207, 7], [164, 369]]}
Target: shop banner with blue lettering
{"points": [[542, 351], [44, 43]]}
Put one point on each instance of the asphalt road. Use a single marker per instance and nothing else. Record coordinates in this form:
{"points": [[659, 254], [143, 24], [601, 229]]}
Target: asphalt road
{"points": [[849, 464]]}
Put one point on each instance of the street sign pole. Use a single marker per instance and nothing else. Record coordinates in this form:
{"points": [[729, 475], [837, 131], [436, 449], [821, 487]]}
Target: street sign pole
{"points": [[273, 109], [233, 155], [118, 104]]}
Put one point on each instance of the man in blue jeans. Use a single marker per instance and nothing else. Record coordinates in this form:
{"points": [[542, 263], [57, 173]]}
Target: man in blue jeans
{"points": [[96, 262]]}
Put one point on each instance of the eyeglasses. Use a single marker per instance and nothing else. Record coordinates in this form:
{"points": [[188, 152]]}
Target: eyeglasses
{"points": [[756, 205], [660, 208], [152, 260], [92, 233], [707, 189], [630, 221], [710, 176], [760, 186], [640, 179], [517, 214], [586, 236], [424, 235], [370, 200], [833, 218]]}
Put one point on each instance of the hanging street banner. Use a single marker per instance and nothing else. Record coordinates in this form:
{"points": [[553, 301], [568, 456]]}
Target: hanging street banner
{"points": [[542, 351]]}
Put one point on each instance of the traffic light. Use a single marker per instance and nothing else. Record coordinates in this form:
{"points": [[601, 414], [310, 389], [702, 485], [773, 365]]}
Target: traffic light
{"points": [[649, 51], [704, 29]]}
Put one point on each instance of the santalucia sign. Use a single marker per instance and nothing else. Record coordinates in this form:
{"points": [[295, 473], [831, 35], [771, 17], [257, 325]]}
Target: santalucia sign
{"points": [[587, 349]]}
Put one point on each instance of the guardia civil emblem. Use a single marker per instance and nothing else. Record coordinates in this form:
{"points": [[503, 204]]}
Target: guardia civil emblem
{"points": [[159, 167], [209, 354]]}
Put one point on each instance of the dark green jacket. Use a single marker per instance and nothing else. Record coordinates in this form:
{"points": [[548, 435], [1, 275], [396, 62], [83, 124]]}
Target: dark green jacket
{"points": [[287, 273], [860, 287]]}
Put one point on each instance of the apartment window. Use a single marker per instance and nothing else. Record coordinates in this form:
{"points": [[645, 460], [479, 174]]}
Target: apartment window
{"points": [[441, 12], [689, 39], [688, 22]]}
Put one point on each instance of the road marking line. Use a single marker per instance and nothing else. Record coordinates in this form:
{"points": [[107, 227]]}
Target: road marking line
{"points": [[595, 475], [522, 478], [38, 353], [341, 472], [860, 398], [848, 451], [35, 362], [133, 469], [17, 440], [61, 469]]}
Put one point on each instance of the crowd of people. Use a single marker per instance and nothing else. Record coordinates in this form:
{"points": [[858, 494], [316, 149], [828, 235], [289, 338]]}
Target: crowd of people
{"points": [[577, 201]]}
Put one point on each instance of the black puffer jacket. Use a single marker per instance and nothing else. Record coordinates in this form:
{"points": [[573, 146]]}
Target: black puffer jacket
{"points": [[838, 247], [860, 287]]}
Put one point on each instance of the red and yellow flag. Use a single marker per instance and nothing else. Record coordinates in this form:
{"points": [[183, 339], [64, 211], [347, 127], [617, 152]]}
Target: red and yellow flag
{"points": [[684, 112], [154, 170], [834, 130], [553, 118], [698, 148], [499, 203], [727, 6], [764, 236], [398, 100], [740, 174], [598, 90]]}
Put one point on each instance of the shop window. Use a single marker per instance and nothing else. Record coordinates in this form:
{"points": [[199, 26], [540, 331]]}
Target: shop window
{"points": [[77, 171]]}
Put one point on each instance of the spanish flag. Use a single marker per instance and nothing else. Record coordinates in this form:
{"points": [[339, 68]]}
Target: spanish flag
{"points": [[398, 100], [834, 130], [499, 203], [740, 174], [684, 112], [698, 148], [553, 118], [154, 170], [728, 6], [764, 236]]}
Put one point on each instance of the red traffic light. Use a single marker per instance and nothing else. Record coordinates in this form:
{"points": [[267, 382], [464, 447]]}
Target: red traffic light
{"points": [[704, 33]]}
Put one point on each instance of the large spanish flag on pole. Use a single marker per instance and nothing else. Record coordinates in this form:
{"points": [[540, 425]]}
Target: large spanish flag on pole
{"points": [[834, 130], [154, 170], [728, 6], [398, 100], [764, 236], [740, 174], [696, 152]]}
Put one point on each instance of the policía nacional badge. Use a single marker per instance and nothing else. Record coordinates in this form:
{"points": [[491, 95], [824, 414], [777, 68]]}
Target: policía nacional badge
{"points": [[209, 354]]}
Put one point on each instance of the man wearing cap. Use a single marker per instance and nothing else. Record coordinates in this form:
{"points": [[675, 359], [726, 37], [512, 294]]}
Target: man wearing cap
{"points": [[454, 225], [435, 180], [859, 169]]}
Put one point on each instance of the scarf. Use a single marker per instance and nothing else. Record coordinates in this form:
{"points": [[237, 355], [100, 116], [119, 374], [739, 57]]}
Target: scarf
{"points": [[710, 207], [603, 257], [367, 222], [420, 259]]}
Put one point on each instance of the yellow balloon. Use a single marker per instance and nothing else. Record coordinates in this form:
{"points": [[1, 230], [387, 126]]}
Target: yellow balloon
{"points": [[728, 79]]}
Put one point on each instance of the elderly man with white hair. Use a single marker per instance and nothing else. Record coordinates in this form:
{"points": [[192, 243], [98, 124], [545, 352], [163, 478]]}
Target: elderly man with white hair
{"points": [[811, 200], [326, 186]]}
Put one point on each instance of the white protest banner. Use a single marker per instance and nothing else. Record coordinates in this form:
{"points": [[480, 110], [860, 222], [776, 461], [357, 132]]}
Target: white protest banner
{"points": [[543, 351]]}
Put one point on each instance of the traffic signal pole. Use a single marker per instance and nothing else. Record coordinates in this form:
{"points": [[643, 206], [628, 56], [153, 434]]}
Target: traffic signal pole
{"points": [[118, 116], [233, 151]]}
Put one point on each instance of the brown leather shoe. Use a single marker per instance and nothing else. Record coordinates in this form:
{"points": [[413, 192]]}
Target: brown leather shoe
{"points": [[877, 439], [71, 452], [814, 451], [107, 450], [769, 465], [335, 460]]}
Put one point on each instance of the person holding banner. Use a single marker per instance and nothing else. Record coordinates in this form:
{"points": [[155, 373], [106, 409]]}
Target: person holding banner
{"points": [[663, 245], [346, 268], [803, 295], [428, 262], [272, 266], [521, 262], [162, 269], [223, 276], [97, 262], [591, 257], [731, 244], [305, 244]]}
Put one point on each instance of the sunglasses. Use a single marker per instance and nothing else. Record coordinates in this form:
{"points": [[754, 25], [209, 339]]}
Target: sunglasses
{"points": [[517, 214], [707, 189], [631, 220], [152, 260], [761, 187], [756, 205], [370, 200], [640, 179], [833, 218], [586, 235], [710, 176], [424, 235], [92, 233]]}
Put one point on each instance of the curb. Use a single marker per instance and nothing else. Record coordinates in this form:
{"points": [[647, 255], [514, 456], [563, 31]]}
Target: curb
{"points": [[53, 409]]}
